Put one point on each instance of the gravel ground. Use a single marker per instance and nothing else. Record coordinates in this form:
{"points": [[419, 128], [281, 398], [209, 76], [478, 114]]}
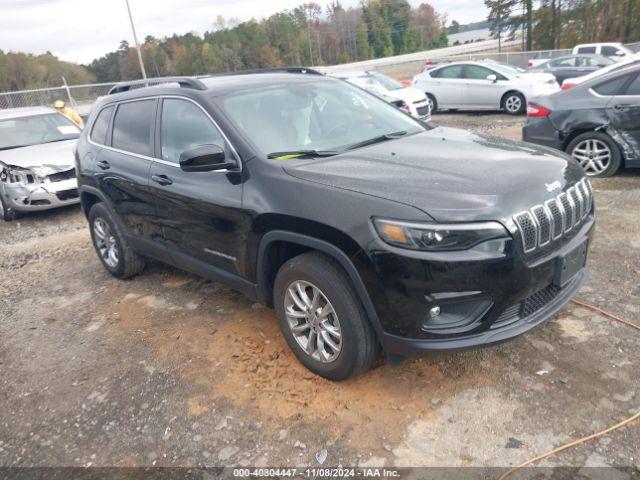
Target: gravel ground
{"points": [[167, 369]]}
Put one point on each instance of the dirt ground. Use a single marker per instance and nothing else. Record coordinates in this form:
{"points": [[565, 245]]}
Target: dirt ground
{"points": [[167, 369]]}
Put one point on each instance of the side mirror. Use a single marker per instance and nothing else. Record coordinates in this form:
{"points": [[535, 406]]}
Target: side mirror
{"points": [[204, 158], [492, 78]]}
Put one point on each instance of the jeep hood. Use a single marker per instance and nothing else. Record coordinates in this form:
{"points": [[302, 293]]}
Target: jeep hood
{"points": [[450, 174], [56, 155]]}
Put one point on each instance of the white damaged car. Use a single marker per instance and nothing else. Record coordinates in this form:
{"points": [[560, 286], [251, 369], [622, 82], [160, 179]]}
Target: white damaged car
{"points": [[483, 85], [417, 104], [37, 170]]}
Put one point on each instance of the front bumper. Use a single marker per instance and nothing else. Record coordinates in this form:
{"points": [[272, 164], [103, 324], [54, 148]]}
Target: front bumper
{"points": [[40, 196], [515, 292]]}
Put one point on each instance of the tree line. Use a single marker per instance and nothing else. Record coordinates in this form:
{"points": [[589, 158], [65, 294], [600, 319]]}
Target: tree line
{"points": [[551, 24], [306, 35]]}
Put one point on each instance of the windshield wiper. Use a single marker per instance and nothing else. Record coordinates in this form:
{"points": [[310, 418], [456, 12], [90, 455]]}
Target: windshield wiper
{"points": [[302, 154], [378, 139]]}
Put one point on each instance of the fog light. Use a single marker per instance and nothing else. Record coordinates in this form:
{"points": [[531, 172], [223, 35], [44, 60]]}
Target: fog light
{"points": [[456, 316]]}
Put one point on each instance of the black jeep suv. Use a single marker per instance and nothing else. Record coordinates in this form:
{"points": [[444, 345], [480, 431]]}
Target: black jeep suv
{"points": [[362, 227]]}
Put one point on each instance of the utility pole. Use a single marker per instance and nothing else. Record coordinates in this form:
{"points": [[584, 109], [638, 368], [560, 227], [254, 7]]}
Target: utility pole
{"points": [[309, 37], [135, 39]]}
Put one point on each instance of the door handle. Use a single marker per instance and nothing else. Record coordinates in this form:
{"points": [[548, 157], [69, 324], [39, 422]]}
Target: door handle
{"points": [[161, 179], [103, 164]]}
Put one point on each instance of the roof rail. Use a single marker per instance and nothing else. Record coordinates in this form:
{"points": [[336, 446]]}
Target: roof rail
{"points": [[184, 82], [303, 70]]}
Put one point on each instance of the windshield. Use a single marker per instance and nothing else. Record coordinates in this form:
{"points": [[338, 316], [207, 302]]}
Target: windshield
{"points": [[36, 129], [386, 82], [321, 115]]}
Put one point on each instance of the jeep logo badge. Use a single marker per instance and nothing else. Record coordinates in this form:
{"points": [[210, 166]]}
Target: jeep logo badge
{"points": [[553, 186]]}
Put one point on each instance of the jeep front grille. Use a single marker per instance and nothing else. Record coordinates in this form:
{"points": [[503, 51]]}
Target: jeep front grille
{"points": [[543, 223]]}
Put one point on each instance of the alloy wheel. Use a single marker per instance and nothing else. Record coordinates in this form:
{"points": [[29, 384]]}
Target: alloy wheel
{"points": [[594, 156], [105, 242], [513, 104], [313, 321]]}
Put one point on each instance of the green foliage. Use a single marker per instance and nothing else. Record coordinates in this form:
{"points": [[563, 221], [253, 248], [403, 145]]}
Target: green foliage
{"points": [[551, 24], [20, 71]]}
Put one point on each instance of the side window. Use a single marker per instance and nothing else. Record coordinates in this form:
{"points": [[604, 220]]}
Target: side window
{"points": [[132, 127], [612, 87], [634, 88], [101, 125], [564, 62], [587, 50], [476, 72], [609, 51], [454, 71], [185, 126]]}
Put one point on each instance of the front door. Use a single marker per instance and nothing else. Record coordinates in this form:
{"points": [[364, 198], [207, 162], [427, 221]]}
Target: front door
{"points": [[199, 212], [482, 92]]}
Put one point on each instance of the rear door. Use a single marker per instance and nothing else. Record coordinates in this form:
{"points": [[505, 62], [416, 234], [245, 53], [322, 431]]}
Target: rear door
{"points": [[480, 92], [122, 165], [565, 68], [624, 113], [447, 85], [200, 212]]}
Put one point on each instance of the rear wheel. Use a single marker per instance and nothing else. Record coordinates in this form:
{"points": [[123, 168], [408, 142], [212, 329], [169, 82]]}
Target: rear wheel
{"points": [[597, 154], [514, 103], [113, 250], [321, 317]]}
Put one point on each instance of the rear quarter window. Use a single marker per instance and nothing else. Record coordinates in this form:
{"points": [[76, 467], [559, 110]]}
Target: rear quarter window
{"points": [[101, 125], [615, 86], [132, 127], [587, 50]]}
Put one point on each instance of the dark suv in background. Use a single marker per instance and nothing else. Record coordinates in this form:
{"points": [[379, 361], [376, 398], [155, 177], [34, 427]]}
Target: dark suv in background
{"points": [[363, 227]]}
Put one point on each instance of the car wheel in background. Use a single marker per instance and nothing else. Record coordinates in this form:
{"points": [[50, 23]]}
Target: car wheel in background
{"points": [[433, 103], [596, 152], [322, 318], [112, 249], [514, 103], [5, 212]]}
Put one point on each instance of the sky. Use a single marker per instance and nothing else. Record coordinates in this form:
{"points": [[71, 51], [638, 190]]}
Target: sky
{"points": [[81, 30]]}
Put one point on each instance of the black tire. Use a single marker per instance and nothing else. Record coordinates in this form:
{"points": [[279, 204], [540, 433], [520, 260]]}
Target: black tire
{"points": [[434, 103], [129, 263], [359, 347], [615, 159], [514, 96], [6, 213]]}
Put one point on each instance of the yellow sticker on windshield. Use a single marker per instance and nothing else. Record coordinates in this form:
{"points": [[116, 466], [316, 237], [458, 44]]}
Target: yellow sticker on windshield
{"points": [[286, 157]]}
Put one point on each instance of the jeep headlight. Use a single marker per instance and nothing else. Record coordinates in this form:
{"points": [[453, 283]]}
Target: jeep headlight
{"points": [[436, 236]]}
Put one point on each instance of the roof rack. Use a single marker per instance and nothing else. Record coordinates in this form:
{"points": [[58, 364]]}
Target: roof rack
{"points": [[184, 82], [303, 70]]}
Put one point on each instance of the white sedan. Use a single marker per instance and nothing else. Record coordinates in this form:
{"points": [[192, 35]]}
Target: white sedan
{"points": [[483, 85], [415, 100]]}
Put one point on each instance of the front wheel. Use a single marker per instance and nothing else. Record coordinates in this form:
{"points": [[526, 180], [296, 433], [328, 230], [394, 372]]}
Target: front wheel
{"points": [[597, 154], [322, 319], [6, 213], [433, 103], [514, 103]]}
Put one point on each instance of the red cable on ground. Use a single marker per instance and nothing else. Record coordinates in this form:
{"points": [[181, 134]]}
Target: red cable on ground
{"points": [[621, 424]]}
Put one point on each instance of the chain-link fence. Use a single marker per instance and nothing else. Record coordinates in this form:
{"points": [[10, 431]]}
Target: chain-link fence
{"points": [[81, 97]]}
